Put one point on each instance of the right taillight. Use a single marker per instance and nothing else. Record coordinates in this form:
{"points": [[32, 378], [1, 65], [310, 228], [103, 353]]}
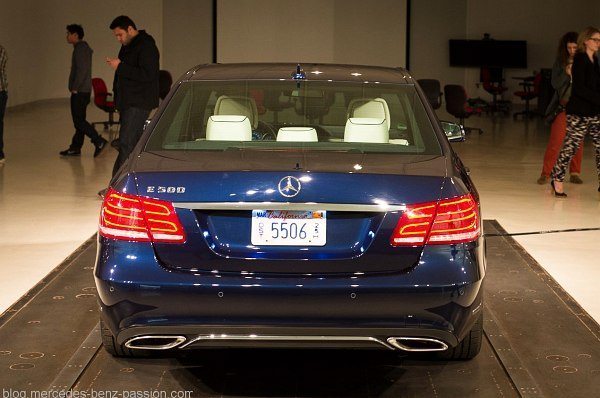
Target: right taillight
{"points": [[448, 221], [139, 219]]}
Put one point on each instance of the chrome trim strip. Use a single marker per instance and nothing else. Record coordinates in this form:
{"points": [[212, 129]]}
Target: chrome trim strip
{"points": [[178, 340], [312, 206], [253, 337], [394, 342]]}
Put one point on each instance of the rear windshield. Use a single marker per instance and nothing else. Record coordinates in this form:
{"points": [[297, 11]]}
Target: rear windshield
{"points": [[315, 115]]}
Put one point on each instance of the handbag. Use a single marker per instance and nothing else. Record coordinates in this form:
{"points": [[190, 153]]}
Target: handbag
{"points": [[552, 115], [556, 110]]}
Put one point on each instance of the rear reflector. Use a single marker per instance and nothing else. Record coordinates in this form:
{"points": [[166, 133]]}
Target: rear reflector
{"points": [[140, 219], [448, 221]]}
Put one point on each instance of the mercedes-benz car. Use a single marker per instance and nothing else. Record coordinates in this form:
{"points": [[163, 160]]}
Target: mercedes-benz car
{"points": [[301, 206]]}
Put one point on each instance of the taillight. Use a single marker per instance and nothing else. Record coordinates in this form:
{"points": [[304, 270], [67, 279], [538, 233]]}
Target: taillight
{"points": [[140, 219], [448, 221]]}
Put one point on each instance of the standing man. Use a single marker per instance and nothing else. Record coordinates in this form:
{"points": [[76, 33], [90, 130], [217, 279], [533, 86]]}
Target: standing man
{"points": [[3, 98], [135, 83], [80, 86]]}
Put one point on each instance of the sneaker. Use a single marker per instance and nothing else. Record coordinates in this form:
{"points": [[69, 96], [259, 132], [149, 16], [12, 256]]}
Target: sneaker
{"points": [[70, 152], [575, 179], [100, 147], [543, 180], [102, 192]]}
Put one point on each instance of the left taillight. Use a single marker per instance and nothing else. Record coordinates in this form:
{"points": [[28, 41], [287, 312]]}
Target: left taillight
{"points": [[139, 219], [448, 221]]}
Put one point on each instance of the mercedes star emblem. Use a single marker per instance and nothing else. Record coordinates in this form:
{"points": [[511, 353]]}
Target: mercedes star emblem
{"points": [[289, 186]]}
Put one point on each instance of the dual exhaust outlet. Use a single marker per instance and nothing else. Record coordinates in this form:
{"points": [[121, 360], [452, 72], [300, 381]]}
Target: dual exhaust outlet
{"points": [[407, 344]]}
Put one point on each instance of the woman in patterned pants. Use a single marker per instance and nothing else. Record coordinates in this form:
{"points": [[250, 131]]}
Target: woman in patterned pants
{"points": [[583, 109]]}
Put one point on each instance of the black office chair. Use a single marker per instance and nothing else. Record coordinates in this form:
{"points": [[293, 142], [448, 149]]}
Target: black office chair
{"points": [[433, 91], [165, 81], [457, 105]]}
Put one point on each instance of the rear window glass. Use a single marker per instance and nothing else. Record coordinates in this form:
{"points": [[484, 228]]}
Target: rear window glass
{"points": [[315, 115]]}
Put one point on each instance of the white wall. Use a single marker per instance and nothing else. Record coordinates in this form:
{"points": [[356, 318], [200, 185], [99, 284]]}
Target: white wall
{"points": [[188, 30], [433, 22], [344, 31], [33, 32], [352, 31]]}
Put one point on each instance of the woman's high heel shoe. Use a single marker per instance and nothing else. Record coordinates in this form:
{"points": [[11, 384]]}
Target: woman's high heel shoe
{"points": [[557, 194]]}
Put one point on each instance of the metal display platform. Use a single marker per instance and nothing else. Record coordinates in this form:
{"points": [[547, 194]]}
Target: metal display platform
{"points": [[538, 342]]}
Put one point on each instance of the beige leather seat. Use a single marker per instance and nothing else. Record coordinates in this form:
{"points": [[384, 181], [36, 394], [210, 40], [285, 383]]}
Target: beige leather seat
{"points": [[368, 121], [297, 134], [228, 128], [237, 105]]}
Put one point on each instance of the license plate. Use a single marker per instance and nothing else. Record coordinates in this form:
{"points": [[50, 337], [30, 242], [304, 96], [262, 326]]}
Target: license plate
{"points": [[288, 228]]}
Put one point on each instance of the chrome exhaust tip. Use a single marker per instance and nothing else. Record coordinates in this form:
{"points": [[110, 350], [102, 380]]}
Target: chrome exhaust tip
{"points": [[154, 342], [417, 344]]}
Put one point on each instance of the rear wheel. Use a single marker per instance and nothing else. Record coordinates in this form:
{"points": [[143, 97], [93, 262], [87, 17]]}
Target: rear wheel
{"points": [[470, 346]]}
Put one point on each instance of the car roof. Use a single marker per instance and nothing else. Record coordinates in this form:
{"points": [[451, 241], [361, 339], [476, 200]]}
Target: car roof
{"points": [[314, 72]]}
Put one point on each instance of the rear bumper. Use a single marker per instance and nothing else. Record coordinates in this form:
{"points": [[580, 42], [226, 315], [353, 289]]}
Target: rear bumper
{"points": [[344, 317], [435, 300]]}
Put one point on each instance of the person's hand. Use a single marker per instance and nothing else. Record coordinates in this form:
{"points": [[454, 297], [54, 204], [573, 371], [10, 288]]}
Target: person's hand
{"points": [[73, 91], [113, 62]]}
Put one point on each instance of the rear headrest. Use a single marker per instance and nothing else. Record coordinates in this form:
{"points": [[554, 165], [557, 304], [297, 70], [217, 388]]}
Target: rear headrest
{"points": [[370, 108], [228, 128], [298, 134], [366, 129], [237, 105]]}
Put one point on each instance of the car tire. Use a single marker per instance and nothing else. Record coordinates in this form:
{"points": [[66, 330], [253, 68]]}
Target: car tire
{"points": [[470, 346], [112, 347]]}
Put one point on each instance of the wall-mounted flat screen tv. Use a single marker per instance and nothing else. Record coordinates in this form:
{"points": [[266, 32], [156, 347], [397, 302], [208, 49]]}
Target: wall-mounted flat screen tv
{"points": [[491, 53]]}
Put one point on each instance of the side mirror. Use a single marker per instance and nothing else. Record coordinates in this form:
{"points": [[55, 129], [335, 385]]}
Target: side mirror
{"points": [[455, 132]]}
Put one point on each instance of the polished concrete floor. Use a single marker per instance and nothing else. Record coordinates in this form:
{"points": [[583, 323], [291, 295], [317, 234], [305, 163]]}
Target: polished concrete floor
{"points": [[49, 206]]}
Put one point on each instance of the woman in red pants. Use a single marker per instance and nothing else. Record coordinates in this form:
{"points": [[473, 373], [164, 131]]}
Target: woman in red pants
{"points": [[561, 81]]}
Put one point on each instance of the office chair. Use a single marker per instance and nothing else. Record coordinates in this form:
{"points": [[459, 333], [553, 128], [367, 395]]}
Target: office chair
{"points": [[433, 91], [165, 81], [103, 100], [457, 105], [531, 90], [492, 83]]}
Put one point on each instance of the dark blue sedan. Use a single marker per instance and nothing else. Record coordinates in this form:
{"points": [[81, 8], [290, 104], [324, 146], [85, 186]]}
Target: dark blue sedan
{"points": [[284, 205]]}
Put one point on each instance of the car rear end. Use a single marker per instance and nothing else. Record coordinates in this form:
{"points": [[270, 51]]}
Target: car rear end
{"points": [[311, 233]]}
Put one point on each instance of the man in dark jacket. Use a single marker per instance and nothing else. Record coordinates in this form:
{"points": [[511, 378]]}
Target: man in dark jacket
{"points": [[135, 84], [80, 86]]}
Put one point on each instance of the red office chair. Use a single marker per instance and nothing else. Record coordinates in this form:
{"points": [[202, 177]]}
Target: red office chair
{"points": [[103, 100], [492, 83], [531, 90]]}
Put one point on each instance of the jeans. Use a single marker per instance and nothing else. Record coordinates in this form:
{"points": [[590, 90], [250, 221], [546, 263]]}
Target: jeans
{"points": [[132, 125], [3, 100], [79, 103]]}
